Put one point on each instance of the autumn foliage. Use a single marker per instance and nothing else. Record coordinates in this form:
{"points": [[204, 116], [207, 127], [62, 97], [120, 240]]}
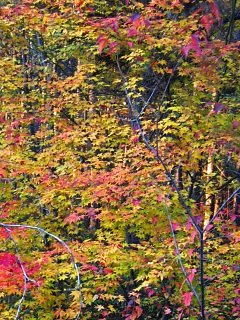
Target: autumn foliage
{"points": [[119, 159]]}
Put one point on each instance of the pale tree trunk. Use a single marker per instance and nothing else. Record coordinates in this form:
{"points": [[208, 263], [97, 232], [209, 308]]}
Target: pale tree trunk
{"points": [[210, 201]]}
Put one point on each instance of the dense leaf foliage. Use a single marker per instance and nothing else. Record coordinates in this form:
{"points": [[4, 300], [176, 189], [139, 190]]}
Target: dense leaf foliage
{"points": [[119, 159]]}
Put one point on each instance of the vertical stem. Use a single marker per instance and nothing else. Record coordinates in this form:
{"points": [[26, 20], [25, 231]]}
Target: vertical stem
{"points": [[202, 276], [231, 22]]}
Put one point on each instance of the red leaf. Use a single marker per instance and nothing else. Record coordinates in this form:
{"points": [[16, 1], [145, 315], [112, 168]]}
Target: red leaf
{"points": [[215, 11], [134, 139], [176, 3], [187, 298], [196, 135], [207, 22], [3, 173], [192, 275], [8, 260], [3, 232], [175, 226], [136, 202], [138, 311], [107, 271], [113, 47], [115, 25], [132, 32], [195, 44], [150, 292], [185, 50], [72, 218], [154, 220], [102, 41]]}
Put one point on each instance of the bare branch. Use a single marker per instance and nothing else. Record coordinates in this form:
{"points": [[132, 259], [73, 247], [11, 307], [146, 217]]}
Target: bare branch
{"points": [[180, 258], [170, 178], [78, 287], [154, 151], [26, 279], [222, 207]]}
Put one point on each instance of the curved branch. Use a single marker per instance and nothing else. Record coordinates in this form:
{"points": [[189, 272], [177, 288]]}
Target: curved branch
{"points": [[78, 287], [222, 207], [180, 258], [26, 279], [154, 151]]}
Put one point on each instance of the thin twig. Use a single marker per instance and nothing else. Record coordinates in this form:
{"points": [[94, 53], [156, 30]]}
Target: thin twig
{"points": [[179, 256], [78, 287], [221, 207], [154, 151], [26, 279]]}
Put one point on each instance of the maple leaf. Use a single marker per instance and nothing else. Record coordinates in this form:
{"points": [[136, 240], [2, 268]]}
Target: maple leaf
{"points": [[9, 260], [207, 22], [72, 218], [192, 275], [175, 226], [136, 313], [193, 45], [215, 11], [102, 42], [187, 298]]}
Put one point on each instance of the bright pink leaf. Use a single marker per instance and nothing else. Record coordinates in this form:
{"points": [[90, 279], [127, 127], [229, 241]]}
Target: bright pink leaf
{"points": [[190, 252], [192, 275], [136, 202], [175, 226], [185, 50], [132, 32], [187, 298], [150, 292]]}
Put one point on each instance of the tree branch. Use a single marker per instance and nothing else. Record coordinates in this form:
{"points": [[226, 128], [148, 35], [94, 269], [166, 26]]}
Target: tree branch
{"points": [[26, 279], [222, 207], [78, 287], [180, 258]]}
